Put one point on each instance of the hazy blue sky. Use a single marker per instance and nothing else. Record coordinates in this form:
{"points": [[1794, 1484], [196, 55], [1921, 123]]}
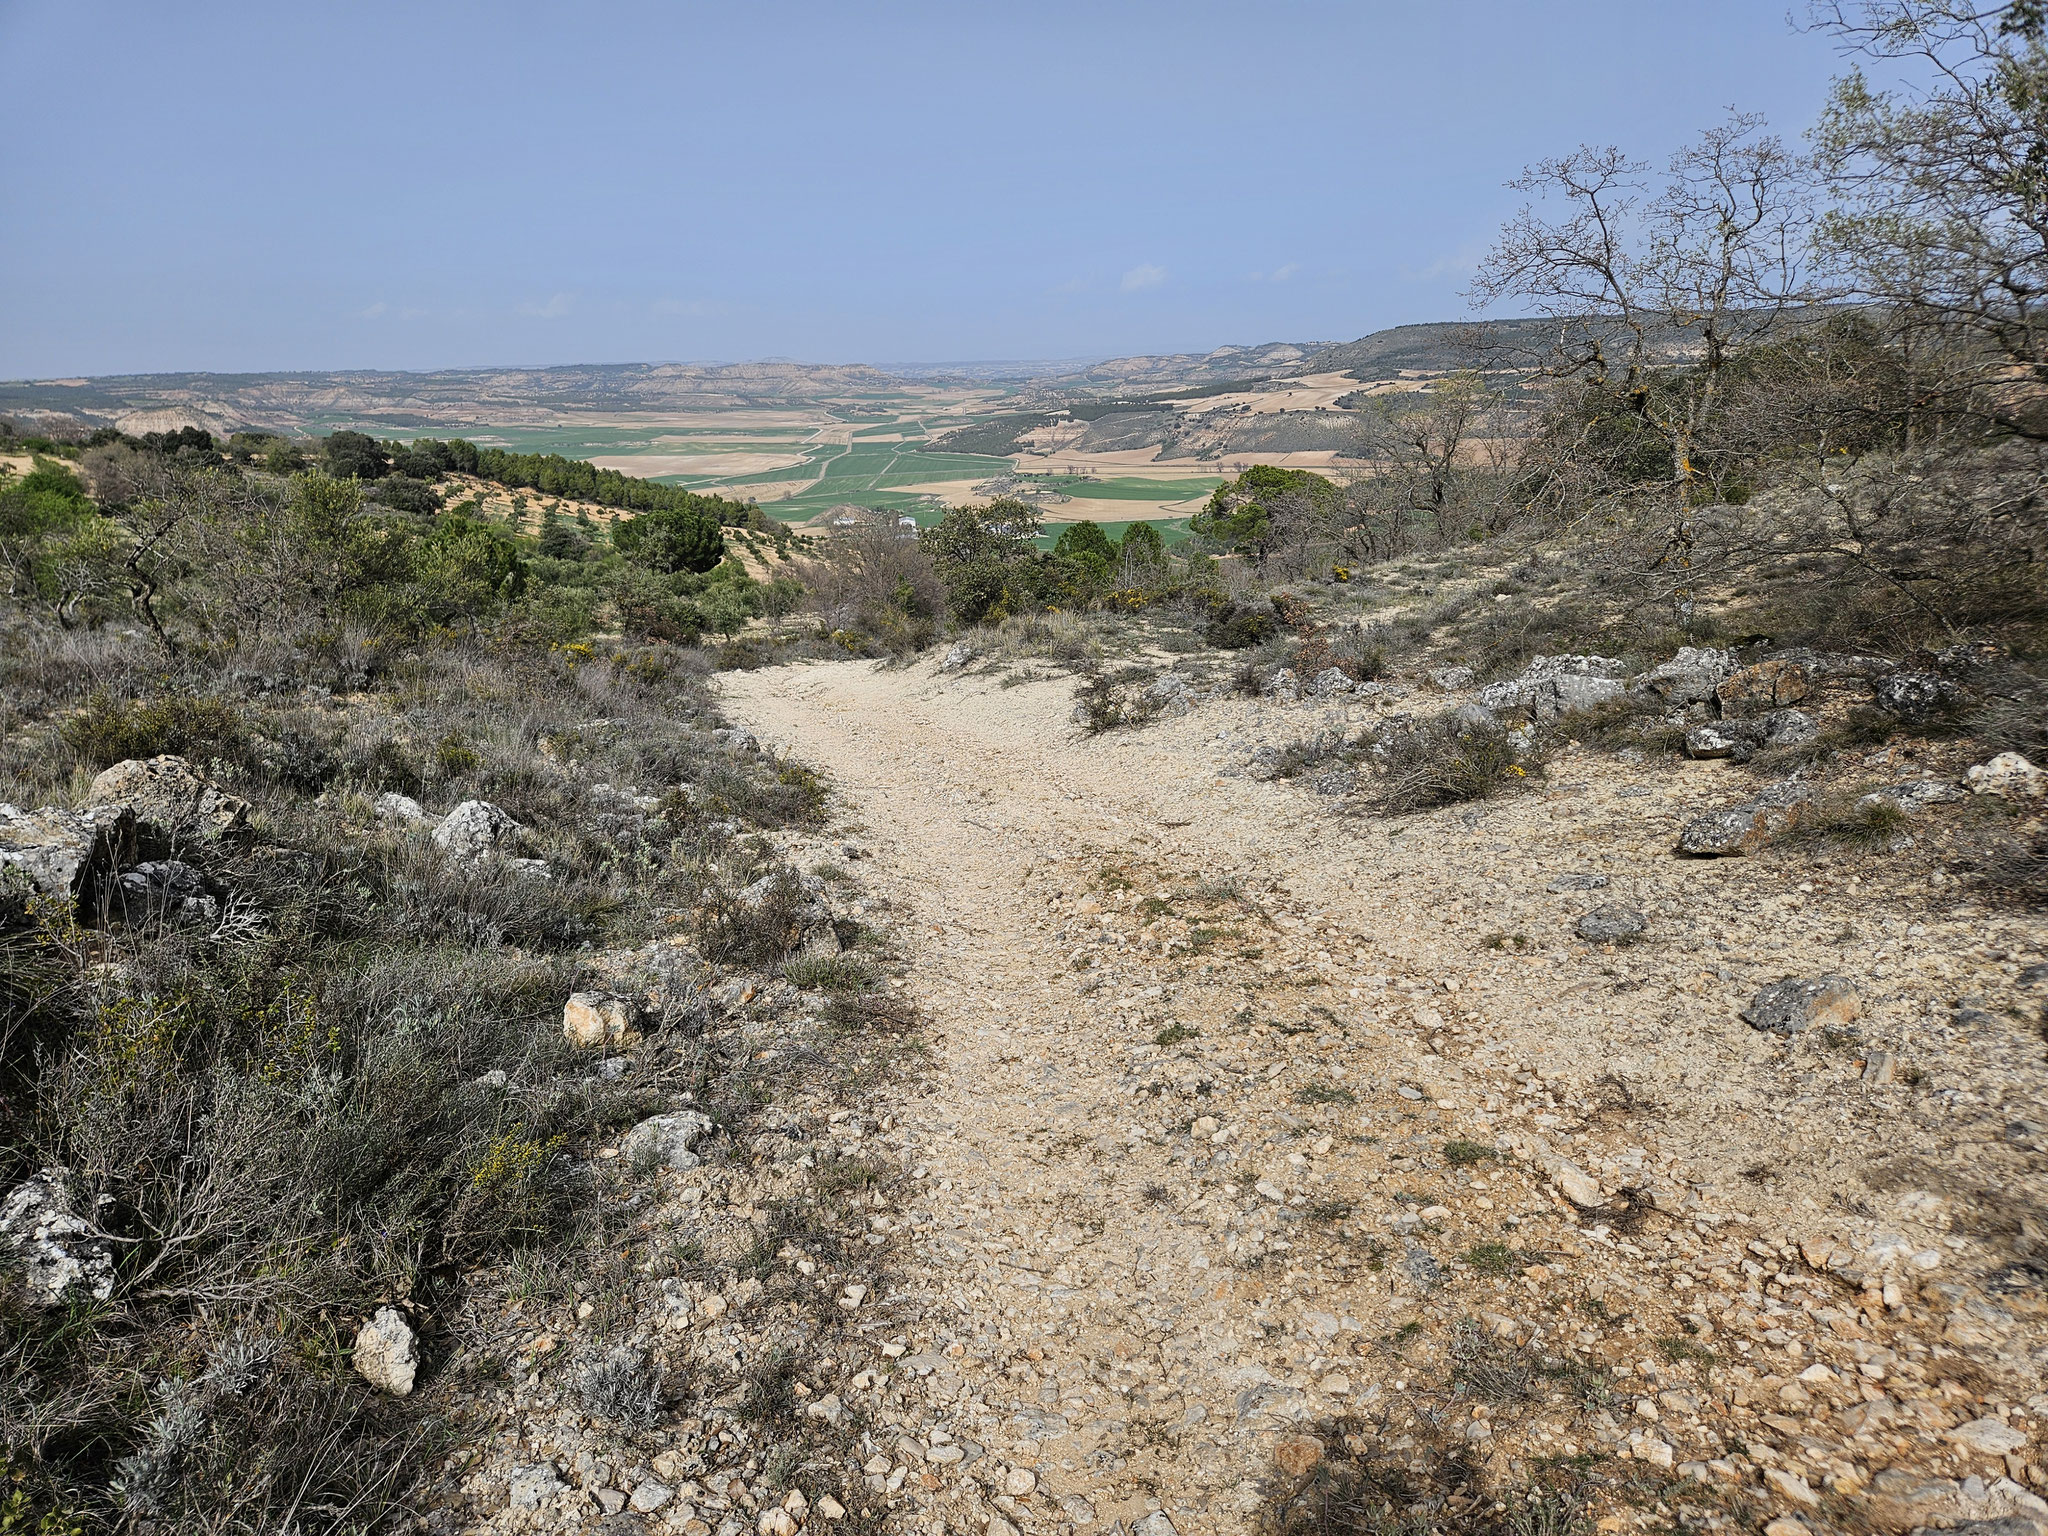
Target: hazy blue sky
{"points": [[208, 186]]}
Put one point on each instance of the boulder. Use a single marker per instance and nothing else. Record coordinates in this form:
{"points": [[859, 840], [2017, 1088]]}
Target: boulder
{"points": [[1741, 740], [165, 890], [72, 854], [1551, 686], [1712, 740], [1768, 685], [1501, 696], [598, 1019], [1690, 677], [392, 806], [168, 795], [1611, 923], [61, 1257], [2008, 776], [957, 656], [1744, 828], [1916, 698], [665, 1141], [474, 830], [1795, 1005], [1328, 682], [1790, 728], [1451, 679], [1551, 697], [1913, 795], [1282, 685], [385, 1355], [1170, 695]]}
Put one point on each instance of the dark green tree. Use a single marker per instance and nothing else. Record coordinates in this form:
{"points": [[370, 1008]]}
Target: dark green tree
{"points": [[1263, 508], [671, 539], [1085, 540], [347, 455], [988, 558]]}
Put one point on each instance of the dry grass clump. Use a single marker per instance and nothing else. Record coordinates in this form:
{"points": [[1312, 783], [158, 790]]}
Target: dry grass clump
{"points": [[1108, 701], [1443, 762]]}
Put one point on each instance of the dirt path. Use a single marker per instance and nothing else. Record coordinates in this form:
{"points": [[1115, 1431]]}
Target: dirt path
{"points": [[1248, 1124]]}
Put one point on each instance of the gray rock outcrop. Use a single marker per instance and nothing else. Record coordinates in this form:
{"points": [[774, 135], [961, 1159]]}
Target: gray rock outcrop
{"points": [[1551, 686], [665, 1141], [1611, 923], [74, 854], [168, 795], [1743, 828], [1795, 1005], [62, 1258], [474, 830]]}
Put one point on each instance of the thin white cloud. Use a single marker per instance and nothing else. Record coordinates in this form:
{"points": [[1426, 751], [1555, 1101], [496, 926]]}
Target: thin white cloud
{"points": [[372, 311], [1278, 274], [1462, 262], [1142, 277], [1072, 285], [556, 307], [693, 307]]}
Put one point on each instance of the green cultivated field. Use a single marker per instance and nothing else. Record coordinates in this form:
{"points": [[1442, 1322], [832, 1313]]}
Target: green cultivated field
{"points": [[1132, 488], [1171, 529], [867, 474]]}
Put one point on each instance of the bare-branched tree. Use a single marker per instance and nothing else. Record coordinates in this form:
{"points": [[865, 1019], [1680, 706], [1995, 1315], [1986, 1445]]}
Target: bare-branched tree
{"points": [[1941, 193]]}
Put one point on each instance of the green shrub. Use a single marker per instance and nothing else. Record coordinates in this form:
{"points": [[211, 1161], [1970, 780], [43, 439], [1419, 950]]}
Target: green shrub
{"points": [[679, 538], [1236, 628], [1463, 1154], [111, 730], [1496, 1260], [456, 757], [1324, 1093], [1107, 703]]}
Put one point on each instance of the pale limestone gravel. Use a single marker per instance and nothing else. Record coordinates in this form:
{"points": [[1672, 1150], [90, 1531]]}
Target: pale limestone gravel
{"points": [[1059, 1216]]}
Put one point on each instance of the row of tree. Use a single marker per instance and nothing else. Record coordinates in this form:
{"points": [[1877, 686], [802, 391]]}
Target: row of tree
{"points": [[357, 455]]}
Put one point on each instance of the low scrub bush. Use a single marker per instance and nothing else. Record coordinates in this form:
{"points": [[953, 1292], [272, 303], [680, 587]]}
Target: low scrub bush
{"points": [[110, 730], [1238, 628], [828, 973], [1105, 703], [352, 1088], [1445, 762]]}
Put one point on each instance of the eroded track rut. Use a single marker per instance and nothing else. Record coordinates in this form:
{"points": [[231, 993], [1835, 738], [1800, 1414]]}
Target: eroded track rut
{"points": [[1246, 1126]]}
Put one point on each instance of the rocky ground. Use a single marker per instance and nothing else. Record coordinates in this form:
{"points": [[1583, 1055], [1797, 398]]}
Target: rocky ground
{"points": [[1261, 1160], [1260, 1134]]}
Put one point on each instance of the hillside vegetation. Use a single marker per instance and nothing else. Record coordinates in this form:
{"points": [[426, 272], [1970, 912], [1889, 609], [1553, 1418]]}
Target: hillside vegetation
{"points": [[453, 1078]]}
